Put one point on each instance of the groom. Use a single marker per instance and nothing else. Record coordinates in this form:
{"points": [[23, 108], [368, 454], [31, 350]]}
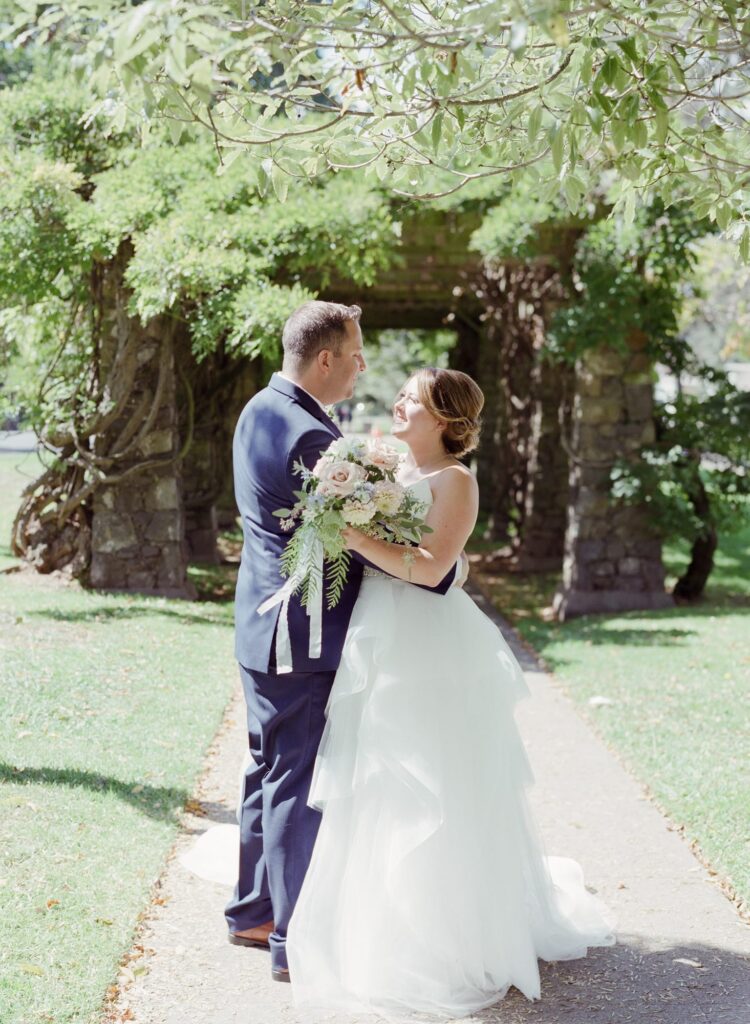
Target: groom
{"points": [[281, 425]]}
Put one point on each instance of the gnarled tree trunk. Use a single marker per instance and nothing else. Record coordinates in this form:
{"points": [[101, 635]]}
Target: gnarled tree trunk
{"points": [[109, 510], [692, 583]]}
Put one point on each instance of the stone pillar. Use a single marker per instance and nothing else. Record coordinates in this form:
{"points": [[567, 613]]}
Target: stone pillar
{"points": [[612, 557], [541, 545], [506, 356], [492, 457], [138, 527]]}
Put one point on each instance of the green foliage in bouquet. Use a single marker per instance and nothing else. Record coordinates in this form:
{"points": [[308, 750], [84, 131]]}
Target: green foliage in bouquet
{"points": [[371, 500]]}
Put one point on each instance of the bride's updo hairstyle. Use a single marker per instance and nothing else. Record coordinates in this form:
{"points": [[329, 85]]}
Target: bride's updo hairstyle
{"points": [[457, 400]]}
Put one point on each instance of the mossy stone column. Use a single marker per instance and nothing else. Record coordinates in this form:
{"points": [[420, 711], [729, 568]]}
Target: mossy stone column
{"points": [[612, 556]]}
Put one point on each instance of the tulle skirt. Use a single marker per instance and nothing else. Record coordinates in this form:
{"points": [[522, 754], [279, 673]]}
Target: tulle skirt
{"points": [[429, 889]]}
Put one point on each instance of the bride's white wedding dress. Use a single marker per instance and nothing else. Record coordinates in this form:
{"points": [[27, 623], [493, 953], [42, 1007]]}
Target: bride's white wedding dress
{"points": [[428, 888]]}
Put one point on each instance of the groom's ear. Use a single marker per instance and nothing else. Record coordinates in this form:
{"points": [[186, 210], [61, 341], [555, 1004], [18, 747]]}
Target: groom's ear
{"points": [[325, 360]]}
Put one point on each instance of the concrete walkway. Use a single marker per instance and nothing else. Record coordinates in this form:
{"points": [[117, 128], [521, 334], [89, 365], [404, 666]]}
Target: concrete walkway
{"points": [[683, 953], [18, 441]]}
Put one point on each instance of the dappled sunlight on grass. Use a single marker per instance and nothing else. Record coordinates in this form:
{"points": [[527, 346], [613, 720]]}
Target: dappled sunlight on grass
{"points": [[108, 702], [669, 690]]}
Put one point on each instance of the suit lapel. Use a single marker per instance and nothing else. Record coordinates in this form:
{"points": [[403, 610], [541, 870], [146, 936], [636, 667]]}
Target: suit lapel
{"points": [[308, 403]]}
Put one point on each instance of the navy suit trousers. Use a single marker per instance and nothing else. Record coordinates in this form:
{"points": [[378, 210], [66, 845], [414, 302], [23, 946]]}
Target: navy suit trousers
{"points": [[285, 720]]}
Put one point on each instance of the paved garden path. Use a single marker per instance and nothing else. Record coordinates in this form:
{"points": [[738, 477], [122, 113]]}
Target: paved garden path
{"points": [[683, 953]]}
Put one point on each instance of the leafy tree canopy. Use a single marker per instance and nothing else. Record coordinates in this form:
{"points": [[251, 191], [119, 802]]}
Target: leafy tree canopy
{"points": [[205, 246], [428, 98]]}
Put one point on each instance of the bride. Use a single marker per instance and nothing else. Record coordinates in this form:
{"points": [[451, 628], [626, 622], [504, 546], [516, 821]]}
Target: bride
{"points": [[429, 889]]}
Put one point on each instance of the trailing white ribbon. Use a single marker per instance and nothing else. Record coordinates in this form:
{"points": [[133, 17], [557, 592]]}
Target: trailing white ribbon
{"points": [[311, 561]]}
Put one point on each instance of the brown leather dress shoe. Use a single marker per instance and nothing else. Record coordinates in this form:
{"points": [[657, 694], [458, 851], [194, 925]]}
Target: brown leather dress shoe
{"points": [[257, 936]]}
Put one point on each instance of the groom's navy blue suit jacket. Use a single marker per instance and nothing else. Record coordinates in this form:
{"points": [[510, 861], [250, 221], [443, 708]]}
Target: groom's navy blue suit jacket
{"points": [[279, 426]]}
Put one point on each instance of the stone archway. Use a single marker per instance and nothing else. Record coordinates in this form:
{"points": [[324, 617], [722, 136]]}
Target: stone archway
{"points": [[142, 541]]}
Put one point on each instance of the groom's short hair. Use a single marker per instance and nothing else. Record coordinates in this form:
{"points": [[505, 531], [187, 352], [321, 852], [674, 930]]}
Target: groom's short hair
{"points": [[315, 326]]}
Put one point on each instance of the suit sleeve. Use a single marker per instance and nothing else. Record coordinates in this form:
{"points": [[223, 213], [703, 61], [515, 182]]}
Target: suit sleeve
{"points": [[307, 450]]}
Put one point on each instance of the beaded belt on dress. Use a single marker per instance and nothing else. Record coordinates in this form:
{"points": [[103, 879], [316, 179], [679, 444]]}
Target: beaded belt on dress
{"points": [[370, 571]]}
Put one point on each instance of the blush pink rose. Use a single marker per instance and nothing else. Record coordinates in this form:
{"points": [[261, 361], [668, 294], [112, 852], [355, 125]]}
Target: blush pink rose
{"points": [[338, 479], [380, 455]]}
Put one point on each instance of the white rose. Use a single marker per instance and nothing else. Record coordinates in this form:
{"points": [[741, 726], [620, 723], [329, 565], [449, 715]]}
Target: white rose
{"points": [[356, 513], [388, 497], [380, 455], [343, 447], [338, 479]]}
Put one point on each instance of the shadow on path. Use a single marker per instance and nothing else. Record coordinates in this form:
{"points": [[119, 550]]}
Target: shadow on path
{"points": [[631, 984]]}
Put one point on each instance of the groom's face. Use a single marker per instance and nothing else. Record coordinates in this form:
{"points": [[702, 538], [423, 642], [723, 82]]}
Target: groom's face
{"points": [[347, 365]]}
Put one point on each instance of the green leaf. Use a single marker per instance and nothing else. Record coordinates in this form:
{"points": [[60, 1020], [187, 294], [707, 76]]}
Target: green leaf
{"points": [[628, 211], [617, 127], [128, 31], [263, 182], [410, 80], [534, 124], [228, 157], [175, 60], [745, 246], [143, 42], [723, 215], [437, 130], [595, 117], [280, 180], [610, 67], [629, 48], [558, 149], [661, 125], [640, 135], [176, 129]]}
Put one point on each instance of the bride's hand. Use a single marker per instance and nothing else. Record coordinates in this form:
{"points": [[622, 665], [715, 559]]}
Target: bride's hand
{"points": [[352, 537]]}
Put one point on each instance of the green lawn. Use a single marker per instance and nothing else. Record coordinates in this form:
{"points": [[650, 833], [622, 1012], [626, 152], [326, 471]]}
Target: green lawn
{"points": [[107, 704], [679, 681]]}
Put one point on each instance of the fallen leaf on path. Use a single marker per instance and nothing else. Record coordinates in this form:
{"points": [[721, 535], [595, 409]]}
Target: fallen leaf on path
{"points": [[686, 961]]}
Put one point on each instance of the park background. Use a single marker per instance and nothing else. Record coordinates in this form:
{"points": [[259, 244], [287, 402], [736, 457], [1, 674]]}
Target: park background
{"points": [[142, 293]]}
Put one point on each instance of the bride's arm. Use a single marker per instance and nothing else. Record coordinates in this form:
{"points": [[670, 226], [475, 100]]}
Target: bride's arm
{"points": [[451, 517]]}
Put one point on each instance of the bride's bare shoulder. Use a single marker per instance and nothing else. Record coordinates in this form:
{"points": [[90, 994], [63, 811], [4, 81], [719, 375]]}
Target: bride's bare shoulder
{"points": [[455, 479]]}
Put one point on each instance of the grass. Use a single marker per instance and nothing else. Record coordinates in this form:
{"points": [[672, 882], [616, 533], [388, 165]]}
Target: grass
{"points": [[107, 705], [679, 683]]}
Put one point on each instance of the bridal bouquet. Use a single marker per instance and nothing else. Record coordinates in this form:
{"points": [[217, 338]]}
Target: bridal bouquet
{"points": [[353, 483]]}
